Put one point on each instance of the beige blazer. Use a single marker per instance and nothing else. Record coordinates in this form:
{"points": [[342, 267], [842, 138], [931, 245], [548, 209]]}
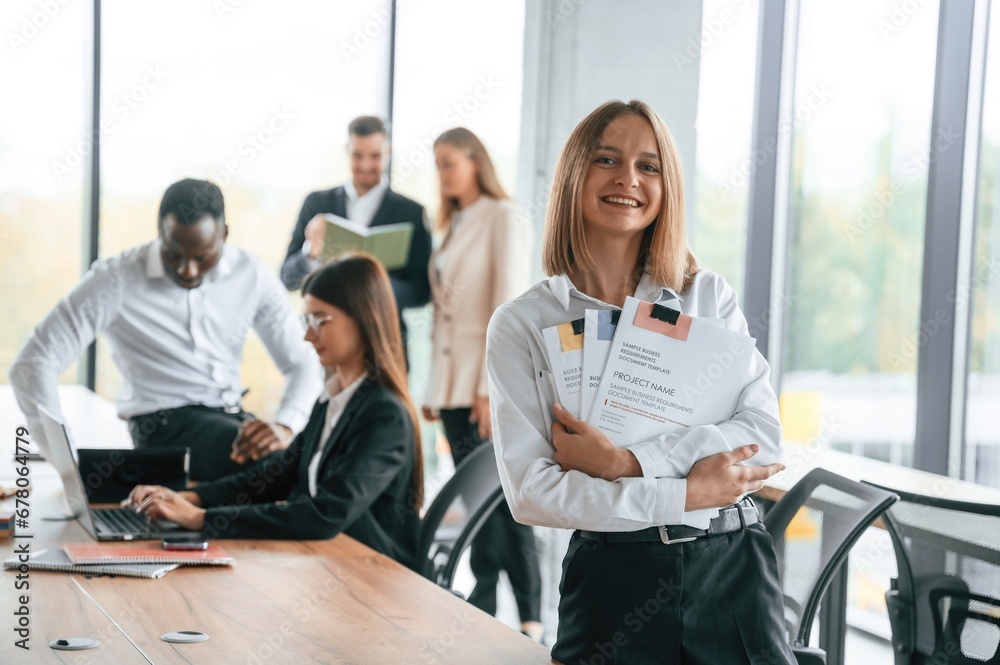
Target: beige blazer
{"points": [[487, 261]]}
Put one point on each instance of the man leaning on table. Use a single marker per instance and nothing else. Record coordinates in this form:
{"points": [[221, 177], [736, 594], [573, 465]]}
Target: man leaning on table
{"points": [[176, 312]]}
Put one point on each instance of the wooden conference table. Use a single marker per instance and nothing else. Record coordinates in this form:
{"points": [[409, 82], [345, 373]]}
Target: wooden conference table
{"points": [[333, 601]]}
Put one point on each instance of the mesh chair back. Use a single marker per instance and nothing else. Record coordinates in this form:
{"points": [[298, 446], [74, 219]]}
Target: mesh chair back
{"points": [[456, 515], [945, 605], [814, 527]]}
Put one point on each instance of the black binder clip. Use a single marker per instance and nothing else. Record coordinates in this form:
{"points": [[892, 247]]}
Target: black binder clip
{"points": [[578, 327], [615, 315], [664, 313]]}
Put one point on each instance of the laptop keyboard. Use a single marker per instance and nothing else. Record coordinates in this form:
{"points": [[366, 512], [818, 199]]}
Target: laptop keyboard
{"points": [[124, 521]]}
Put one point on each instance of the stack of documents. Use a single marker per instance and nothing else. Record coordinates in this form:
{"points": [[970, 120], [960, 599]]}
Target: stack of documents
{"points": [[647, 370], [55, 559]]}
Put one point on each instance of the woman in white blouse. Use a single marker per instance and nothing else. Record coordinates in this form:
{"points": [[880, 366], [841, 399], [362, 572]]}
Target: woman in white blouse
{"points": [[638, 585], [483, 261]]}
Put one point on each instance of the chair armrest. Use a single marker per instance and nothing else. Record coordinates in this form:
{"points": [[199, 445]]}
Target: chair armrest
{"points": [[809, 656]]}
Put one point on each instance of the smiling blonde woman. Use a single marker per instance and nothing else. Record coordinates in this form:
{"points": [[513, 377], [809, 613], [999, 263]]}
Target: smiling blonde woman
{"points": [[615, 228]]}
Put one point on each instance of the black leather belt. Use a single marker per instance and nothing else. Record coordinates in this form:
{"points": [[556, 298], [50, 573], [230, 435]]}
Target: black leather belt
{"points": [[731, 518]]}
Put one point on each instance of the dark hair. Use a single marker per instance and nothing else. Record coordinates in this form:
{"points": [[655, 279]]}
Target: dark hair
{"points": [[189, 200], [366, 125], [359, 285]]}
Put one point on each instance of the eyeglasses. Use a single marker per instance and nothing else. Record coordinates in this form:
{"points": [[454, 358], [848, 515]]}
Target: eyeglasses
{"points": [[314, 323]]}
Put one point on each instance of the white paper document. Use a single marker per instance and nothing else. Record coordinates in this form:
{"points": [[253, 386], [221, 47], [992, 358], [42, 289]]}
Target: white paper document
{"points": [[667, 371], [564, 345], [598, 331]]}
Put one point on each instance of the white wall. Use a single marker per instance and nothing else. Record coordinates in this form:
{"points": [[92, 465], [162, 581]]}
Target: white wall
{"points": [[579, 54]]}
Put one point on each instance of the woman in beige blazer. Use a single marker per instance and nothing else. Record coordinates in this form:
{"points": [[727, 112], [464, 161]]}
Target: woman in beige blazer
{"points": [[483, 260]]}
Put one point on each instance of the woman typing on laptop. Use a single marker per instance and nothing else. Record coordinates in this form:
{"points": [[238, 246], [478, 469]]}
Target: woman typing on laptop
{"points": [[357, 467]]}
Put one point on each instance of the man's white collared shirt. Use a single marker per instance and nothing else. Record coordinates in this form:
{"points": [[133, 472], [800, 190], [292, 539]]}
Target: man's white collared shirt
{"points": [[172, 346], [361, 209]]}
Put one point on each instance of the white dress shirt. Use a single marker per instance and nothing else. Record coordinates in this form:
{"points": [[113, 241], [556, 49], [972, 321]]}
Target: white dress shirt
{"points": [[173, 346], [521, 397], [336, 398], [361, 209]]}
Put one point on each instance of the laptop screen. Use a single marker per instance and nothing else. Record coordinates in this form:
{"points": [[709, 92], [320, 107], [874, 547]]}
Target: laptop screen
{"points": [[61, 454]]}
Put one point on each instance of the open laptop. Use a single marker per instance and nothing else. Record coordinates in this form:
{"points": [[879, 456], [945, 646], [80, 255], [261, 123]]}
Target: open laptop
{"points": [[100, 523]]}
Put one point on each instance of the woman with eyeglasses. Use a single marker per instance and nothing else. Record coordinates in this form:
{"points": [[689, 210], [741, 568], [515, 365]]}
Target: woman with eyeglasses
{"points": [[357, 466]]}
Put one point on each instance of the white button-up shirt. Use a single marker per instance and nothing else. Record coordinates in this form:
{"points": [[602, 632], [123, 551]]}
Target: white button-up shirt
{"points": [[336, 398], [173, 346], [521, 395], [361, 209]]}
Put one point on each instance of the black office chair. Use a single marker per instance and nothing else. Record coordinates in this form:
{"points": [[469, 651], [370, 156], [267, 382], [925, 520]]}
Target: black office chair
{"points": [[944, 606], [442, 541], [827, 514]]}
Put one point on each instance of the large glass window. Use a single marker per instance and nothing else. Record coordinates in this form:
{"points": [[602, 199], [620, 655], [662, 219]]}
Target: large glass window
{"points": [[450, 72], [725, 164], [861, 152], [981, 434], [254, 96], [44, 149]]}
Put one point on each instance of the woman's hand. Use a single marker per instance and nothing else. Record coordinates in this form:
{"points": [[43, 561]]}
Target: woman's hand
{"points": [[429, 414], [481, 416], [160, 503], [720, 480], [580, 447]]}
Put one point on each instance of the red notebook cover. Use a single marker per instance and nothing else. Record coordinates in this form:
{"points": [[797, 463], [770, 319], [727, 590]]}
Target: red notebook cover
{"points": [[91, 554]]}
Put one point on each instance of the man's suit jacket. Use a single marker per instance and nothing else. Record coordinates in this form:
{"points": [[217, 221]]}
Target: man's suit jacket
{"points": [[409, 283], [363, 482]]}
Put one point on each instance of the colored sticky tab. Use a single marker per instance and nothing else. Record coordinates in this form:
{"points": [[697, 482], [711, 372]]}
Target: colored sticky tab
{"points": [[607, 322], [644, 319], [569, 338]]}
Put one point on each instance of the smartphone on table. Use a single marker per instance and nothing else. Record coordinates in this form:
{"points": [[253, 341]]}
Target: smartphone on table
{"points": [[185, 544]]}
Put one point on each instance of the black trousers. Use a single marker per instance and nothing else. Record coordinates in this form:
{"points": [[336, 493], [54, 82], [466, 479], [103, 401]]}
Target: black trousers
{"points": [[712, 601], [502, 543], [208, 432]]}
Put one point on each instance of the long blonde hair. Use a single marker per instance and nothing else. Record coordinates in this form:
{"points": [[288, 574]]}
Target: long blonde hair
{"points": [[664, 251], [486, 176]]}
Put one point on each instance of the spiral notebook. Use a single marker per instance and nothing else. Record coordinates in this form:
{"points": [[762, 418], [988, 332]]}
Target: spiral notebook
{"points": [[55, 559], [116, 554]]}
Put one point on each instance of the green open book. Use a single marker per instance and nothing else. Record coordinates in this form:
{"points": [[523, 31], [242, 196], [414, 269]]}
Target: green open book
{"points": [[389, 243]]}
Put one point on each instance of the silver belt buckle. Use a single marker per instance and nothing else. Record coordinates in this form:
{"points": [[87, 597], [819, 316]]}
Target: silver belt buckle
{"points": [[665, 539]]}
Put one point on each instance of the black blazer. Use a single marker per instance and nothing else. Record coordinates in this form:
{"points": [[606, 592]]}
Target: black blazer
{"points": [[363, 482], [410, 283]]}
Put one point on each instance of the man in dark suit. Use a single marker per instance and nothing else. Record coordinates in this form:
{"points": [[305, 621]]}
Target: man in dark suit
{"points": [[368, 201]]}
